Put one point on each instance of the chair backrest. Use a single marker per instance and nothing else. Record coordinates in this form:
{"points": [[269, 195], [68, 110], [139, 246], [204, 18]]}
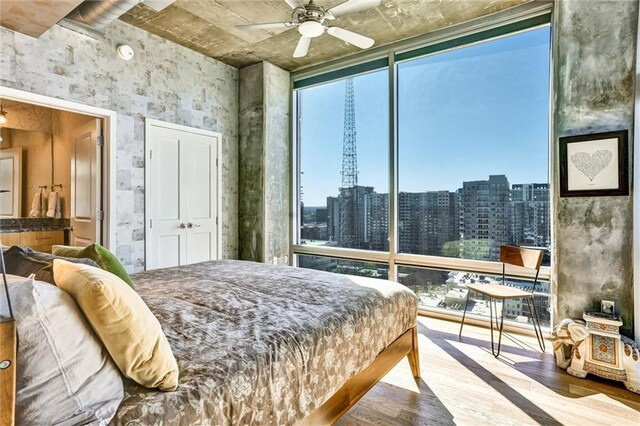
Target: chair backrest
{"points": [[524, 257]]}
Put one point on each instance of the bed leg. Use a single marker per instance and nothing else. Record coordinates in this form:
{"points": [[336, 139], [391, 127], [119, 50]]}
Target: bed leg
{"points": [[413, 355]]}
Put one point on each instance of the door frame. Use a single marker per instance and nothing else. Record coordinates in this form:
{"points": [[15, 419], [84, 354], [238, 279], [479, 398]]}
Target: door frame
{"points": [[109, 118], [151, 122], [15, 153]]}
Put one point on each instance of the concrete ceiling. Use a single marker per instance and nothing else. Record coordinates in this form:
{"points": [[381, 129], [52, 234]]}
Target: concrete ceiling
{"points": [[34, 17], [208, 26]]}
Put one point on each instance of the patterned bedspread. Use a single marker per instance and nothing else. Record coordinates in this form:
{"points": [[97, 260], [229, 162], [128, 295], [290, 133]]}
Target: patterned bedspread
{"points": [[262, 344]]}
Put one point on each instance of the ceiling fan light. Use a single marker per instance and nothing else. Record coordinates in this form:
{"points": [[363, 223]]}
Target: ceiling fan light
{"points": [[311, 29]]}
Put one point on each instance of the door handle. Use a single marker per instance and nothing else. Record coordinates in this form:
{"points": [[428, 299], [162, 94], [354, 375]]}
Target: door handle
{"points": [[183, 226], [191, 225]]}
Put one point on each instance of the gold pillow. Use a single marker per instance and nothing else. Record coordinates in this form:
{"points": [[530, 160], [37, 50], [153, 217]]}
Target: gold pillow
{"points": [[124, 323]]}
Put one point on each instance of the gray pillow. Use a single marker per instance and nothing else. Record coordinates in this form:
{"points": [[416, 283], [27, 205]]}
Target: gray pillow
{"points": [[23, 261], [18, 262], [65, 375]]}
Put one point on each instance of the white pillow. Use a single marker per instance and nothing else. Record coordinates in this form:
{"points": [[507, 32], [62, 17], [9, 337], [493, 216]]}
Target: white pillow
{"points": [[64, 375]]}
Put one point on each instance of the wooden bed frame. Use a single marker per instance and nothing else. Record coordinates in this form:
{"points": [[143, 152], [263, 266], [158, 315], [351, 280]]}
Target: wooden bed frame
{"points": [[345, 398], [8, 344], [356, 387]]}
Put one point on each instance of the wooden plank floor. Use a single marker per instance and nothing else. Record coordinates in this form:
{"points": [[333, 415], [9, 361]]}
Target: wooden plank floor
{"points": [[462, 383]]}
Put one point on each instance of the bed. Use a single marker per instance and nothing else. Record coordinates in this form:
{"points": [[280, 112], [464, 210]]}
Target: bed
{"points": [[267, 344]]}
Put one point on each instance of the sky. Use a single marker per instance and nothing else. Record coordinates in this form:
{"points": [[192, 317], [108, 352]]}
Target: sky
{"points": [[462, 115]]}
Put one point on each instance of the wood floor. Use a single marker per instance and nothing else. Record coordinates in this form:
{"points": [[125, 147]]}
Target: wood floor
{"points": [[462, 383]]}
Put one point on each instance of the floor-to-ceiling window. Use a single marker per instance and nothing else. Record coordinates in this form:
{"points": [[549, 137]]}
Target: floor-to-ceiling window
{"points": [[421, 177]]}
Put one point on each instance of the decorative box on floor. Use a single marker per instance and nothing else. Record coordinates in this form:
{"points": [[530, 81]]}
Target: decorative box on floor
{"points": [[597, 348]]}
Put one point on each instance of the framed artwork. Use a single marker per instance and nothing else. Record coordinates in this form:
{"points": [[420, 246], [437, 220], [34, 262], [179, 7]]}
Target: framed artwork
{"points": [[594, 165]]}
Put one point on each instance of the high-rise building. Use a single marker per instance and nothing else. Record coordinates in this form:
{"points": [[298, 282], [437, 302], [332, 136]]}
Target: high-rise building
{"points": [[487, 217], [376, 211], [530, 192], [321, 215], [530, 220], [333, 218], [428, 222], [352, 232]]}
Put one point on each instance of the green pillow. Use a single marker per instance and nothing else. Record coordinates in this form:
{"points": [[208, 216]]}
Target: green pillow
{"points": [[103, 257]]}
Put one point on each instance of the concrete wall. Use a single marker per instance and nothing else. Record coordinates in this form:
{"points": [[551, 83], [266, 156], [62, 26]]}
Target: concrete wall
{"points": [[594, 77], [264, 163], [277, 85], [251, 171], [163, 81]]}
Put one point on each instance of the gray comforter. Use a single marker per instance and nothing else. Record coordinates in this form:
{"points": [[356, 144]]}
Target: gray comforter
{"points": [[262, 344]]}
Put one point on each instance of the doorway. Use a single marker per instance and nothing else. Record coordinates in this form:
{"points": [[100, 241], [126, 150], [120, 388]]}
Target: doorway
{"points": [[68, 152], [182, 196]]}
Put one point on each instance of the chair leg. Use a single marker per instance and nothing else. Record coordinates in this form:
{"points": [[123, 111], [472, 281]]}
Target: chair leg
{"points": [[537, 327], [493, 305], [466, 303], [493, 351]]}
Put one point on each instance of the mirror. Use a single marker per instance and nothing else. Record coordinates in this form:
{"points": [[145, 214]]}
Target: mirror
{"points": [[10, 182], [26, 176]]}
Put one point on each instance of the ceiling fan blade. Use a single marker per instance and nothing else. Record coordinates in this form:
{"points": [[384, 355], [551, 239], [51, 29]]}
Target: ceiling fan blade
{"points": [[352, 6], [302, 48], [350, 37], [266, 26], [294, 3]]}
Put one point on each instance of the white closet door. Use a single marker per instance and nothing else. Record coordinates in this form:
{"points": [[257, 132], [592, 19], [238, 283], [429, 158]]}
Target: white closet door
{"points": [[200, 198], [182, 197], [167, 213]]}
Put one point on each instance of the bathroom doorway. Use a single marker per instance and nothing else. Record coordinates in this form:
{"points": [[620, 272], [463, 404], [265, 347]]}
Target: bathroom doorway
{"points": [[55, 158]]}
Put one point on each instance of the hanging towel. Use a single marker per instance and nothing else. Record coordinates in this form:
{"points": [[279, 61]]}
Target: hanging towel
{"points": [[54, 205], [58, 212], [36, 205]]}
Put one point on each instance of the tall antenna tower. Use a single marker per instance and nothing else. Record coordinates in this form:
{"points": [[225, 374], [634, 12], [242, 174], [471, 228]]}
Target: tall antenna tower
{"points": [[349, 151], [348, 199]]}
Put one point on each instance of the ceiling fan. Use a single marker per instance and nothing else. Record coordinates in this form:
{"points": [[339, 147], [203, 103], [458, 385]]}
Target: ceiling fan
{"points": [[311, 21]]}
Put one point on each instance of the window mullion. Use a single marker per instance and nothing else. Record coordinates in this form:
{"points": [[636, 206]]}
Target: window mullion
{"points": [[393, 169]]}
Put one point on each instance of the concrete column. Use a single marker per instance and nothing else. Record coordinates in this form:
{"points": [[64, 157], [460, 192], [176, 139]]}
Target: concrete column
{"points": [[594, 78], [264, 163]]}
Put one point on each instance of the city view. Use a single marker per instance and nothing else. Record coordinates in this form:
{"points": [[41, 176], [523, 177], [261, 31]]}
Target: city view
{"points": [[470, 223], [486, 177]]}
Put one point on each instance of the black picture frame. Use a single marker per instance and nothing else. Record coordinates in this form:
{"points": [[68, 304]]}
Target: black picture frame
{"points": [[623, 164]]}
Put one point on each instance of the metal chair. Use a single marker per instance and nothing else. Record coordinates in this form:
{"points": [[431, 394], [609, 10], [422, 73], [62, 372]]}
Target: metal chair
{"points": [[517, 256]]}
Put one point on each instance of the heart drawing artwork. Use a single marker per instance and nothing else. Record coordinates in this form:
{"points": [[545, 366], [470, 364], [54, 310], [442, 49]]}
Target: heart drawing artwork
{"points": [[592, 164]]}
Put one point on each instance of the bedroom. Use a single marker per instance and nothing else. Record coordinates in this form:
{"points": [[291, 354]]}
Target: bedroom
{"points": [[192, 67]]}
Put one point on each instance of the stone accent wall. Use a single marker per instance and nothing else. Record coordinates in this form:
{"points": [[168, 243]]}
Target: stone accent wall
{"points": [[163, 81], [264, 163], [595, 51]]}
